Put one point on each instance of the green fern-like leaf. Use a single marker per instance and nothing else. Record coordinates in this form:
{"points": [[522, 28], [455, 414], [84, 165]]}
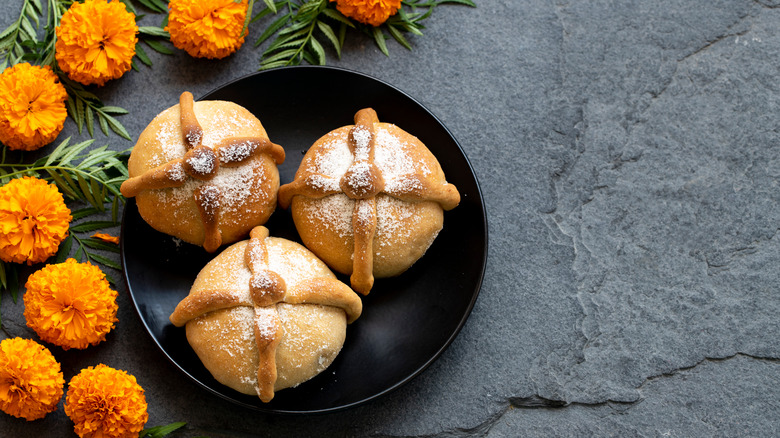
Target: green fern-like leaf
{"points": [[296, 32]]}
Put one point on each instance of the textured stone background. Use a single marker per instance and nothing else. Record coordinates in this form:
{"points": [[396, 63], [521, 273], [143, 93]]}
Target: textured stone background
{"points": [[632, 280]]}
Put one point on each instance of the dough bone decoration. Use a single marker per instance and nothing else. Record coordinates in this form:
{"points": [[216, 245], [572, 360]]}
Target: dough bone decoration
{"points": [[202, 163], [362, 182], [266, 290]]}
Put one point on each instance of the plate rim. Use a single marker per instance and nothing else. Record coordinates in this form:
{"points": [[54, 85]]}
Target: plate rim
{"points": [[411, 376]]}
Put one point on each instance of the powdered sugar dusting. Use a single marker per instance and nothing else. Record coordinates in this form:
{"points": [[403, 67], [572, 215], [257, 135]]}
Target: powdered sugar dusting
{"points": [[235, 330], [228, 125], [226, 275], [265, 322], [236, 184], [176, 172], [359, 176], [393, 216], [194, 136], [334, 212], [362, 137], [256, 256], [318, 181], [401, 174], [202, 163], [250, 380], [404, 184], [261, 282], [237, 151], [301, 335], [171, 145], [365, 212], [334, 159], [209, 198], [393, 159], [294, 263]]}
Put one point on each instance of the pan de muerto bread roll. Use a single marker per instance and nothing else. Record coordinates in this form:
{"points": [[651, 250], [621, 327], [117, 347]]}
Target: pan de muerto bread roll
{"points": [[204, 172], [266, 314], [368, 199]]}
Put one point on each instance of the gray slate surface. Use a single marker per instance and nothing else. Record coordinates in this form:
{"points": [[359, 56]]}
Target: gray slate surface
{"points": [[629, 159]]}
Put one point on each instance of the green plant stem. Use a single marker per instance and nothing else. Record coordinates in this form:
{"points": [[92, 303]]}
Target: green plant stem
{"points": [[18, 24], [303, 46], [53, 16], [46, 169]]}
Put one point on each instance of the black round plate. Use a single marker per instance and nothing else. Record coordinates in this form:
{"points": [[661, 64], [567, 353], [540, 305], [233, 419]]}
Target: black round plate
{"points": [[407, 321]]}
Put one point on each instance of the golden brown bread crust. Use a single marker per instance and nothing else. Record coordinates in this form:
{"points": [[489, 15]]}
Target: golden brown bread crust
{"points": [[168, 192], [219, 337], [368, 199], [404, 231], [266, 314]]}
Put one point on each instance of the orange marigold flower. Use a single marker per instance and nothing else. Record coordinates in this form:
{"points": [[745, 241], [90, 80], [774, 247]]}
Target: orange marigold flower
{"points": [[96, 41], [105, 402], [207, 28], [30, 379], [373, 12], [70, 304], [107, 238], [32, 106], [33, 220]]}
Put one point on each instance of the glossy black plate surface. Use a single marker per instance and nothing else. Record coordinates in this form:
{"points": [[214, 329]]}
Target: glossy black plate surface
{"points": [[407, 321]]}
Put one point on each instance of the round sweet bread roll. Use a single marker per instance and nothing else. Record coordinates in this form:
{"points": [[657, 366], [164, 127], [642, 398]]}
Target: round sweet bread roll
{"points": [[266, 314], [204, 172], [368, 199]]}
